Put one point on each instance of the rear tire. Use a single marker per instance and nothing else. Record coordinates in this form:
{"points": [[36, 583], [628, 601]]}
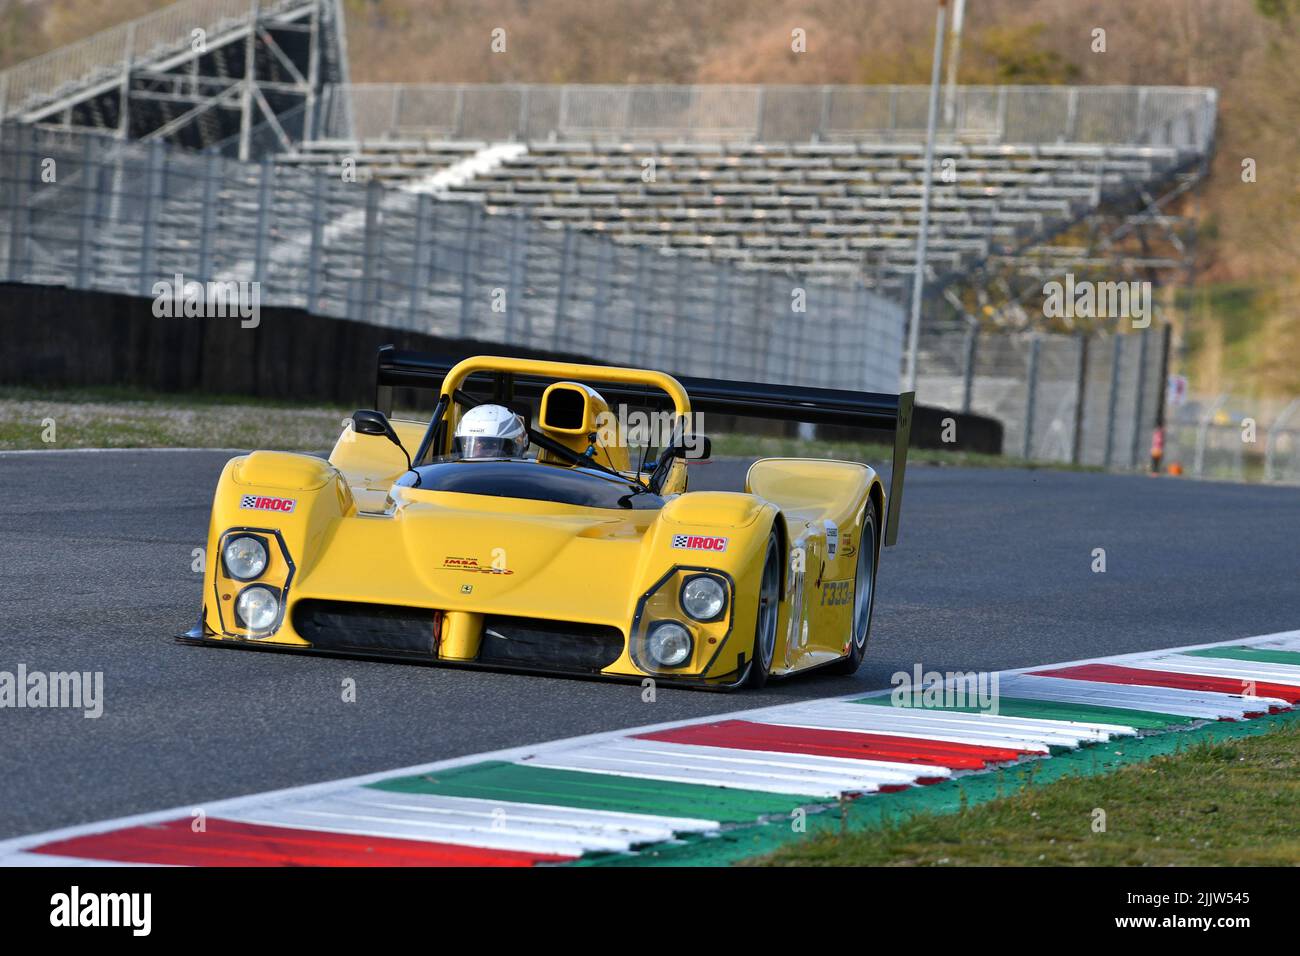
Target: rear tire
{"points": [[769, 608], [864, 598]]}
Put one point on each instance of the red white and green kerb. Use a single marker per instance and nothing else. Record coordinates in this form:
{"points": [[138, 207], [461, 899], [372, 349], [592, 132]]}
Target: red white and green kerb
{"points": [[622, 792]]}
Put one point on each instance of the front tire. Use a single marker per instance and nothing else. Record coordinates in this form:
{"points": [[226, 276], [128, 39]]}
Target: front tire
{"points": [[864, 594], [769, 608]]}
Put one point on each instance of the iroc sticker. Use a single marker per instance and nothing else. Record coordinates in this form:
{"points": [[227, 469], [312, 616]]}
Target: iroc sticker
{"points": [[699, 542], [267, 503]]}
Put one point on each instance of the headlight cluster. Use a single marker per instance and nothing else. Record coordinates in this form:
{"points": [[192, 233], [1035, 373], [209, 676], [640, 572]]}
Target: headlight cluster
{"points": [[683, 611], [246, 558]]}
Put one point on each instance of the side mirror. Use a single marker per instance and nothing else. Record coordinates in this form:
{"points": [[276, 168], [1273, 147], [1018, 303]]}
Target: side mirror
{"points": [[698, 448], [367, 421]]}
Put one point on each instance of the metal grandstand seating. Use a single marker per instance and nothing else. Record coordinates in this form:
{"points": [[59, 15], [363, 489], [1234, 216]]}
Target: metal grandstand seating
{"points": [[814, 207]]}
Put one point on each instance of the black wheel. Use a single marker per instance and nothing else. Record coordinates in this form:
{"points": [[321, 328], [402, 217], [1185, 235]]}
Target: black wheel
{"points": [[769, 606], [864, 594]]}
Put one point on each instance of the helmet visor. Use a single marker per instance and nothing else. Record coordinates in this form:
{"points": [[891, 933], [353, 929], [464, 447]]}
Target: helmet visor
{"points": [[481, 446]]}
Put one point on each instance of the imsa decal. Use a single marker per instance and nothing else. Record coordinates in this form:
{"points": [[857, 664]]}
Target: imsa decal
{"points": [[267, 503], [699, 542], [451, 563]]}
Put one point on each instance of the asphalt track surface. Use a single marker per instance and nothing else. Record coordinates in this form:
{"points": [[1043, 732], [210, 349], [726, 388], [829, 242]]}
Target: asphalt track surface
{"points": [[993, 570]]}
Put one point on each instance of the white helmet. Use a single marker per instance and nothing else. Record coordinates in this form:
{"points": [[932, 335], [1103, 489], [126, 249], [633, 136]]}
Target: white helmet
{"points": [[490, 431]]}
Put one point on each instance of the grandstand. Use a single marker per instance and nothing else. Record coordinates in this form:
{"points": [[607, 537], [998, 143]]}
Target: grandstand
{"points": [[813, 207], [808, 179]]}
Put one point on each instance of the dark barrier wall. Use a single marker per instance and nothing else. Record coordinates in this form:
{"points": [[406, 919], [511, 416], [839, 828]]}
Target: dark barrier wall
{"points": [[57, 337], [65, 337], [976, 433], [970, 432]]}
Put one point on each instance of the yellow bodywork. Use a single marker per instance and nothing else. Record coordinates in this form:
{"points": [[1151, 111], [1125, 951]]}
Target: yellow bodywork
{"points": [[354, 537]]}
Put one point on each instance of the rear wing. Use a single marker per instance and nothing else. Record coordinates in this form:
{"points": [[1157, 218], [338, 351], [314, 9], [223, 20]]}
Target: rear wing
{"points": [[875, 411]]}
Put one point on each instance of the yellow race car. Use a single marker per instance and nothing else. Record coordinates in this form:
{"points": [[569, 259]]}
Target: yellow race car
{"points": [[485, 538]]}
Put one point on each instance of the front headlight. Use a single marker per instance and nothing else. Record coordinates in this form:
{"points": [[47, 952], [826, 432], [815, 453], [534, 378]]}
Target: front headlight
{"points": [[669, 644], [258, 607], [703, 597], [244, 557]]}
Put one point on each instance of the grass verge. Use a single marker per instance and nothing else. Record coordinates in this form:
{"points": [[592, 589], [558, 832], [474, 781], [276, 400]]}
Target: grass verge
{"points": [[125, 418], [1216, 802], [130, 418]]}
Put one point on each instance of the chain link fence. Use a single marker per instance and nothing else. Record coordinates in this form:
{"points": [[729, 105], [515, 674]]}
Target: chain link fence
{"points": [[1235, 438], [1083, 399], [92, 212]]}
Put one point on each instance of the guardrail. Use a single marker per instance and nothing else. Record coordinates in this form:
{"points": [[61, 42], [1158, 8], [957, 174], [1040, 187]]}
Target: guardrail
{"points": [[1167, 116]]}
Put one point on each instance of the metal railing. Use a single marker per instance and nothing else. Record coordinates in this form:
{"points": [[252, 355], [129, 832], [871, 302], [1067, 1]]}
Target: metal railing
{"points": [[124, 216], [104, 56], [1102, 115]]}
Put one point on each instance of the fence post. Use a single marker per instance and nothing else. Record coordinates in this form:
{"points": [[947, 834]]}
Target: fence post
{"points": [[473, 240], [1274, 432], [265, 198], [211, 169], [21, 198], [317, 237], [89, 200], [721, 293], [968, 368], [674, 328], [1202, 433], [825, 121], [370, 254], [149, 232], [459, 125], [1081, 399], [1031, 398], [1112, 410], [518, 250], [601, 300], [639, 298], [524, 115], [1140, 399], [419, 272]]}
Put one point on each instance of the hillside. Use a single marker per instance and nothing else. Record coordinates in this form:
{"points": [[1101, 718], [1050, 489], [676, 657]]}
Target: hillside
{"points": [[1246, 48]]}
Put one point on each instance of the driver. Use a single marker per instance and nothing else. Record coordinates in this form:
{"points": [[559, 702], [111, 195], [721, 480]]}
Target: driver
{"points": [[490, 431]]}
